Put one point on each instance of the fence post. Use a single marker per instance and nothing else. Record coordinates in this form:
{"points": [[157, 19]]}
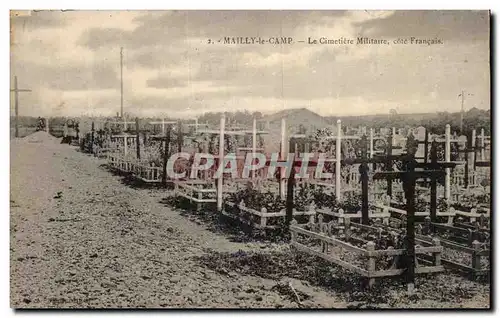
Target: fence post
{"points": [[347, 229], [370, 247], [451, 210], [471, 237], [125, 146], [482, 220], [198, 204], [293, 233], [137, 139], [473, 212], [263, 218], [386, 200], [320, 228], [437, 255], [312, 208], [341, 216], [427, 225], [476, 258], [320, 220], [386, 216]]}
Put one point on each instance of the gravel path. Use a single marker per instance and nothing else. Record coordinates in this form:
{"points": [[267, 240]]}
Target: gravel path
{"points": [[80, 238]]}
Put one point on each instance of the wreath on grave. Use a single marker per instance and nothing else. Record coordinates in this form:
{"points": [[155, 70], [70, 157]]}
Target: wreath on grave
{"points": [[325, 145], [380, 145]]}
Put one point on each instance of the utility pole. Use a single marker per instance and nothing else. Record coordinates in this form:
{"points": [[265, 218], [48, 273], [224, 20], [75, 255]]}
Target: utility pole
{"points": [[16, 91], [121, 82]]}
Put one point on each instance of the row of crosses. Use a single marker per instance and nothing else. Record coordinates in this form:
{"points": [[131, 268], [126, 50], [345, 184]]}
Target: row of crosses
{"points": [[410, 172]]}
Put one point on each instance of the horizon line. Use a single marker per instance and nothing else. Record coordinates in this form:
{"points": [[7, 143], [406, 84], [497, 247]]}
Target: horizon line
{"points": [[235, 111]]}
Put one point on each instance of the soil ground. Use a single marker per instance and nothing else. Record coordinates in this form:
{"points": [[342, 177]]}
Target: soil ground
{"points": [[83, 238]]}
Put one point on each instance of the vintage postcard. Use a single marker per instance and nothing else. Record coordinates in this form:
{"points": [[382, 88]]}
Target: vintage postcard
{"points": [[250, 159]]}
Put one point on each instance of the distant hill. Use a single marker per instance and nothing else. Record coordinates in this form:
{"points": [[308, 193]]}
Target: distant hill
{"points": [[309, 120], [299, 120]]}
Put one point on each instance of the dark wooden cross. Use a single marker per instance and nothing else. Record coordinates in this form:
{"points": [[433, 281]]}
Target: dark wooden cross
{"points": [[476, 162], [389, 159], [180, 140], [92, 131], [413, 170], [166, 153], [297, 163], [166, 139], [439, 166], [468, 150], [364, 169]]}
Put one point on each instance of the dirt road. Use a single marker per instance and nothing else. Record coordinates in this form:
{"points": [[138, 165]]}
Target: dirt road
{"points": [[80, 238]]}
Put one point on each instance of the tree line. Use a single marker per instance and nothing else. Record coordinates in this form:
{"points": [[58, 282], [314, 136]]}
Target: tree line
{"points": [[434, 122]]}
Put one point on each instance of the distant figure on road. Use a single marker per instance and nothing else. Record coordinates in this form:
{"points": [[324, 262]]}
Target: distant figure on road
{"points": [[40, 124], [77, 130]]}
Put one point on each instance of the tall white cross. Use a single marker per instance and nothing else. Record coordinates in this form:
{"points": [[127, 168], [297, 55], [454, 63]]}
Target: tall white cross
{"points": [[125, 122], [162, 123], [196, 124], [482, 143]]}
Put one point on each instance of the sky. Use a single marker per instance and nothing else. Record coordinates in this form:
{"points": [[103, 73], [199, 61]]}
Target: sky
{"points": [[71, 62]]}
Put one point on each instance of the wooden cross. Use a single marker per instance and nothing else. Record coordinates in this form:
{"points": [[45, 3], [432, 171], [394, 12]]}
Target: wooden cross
{"points": [[166, 154], [137, 142], [482, 146], [408, 176], [469, 149], [92, 131], [389, 158], [221, 132], [163, 123], [482, 143], [440, 166], [364, 169], [254, 132], [297, 162], [180, 141], [196, 125], [125, 123], [16, 91]]}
